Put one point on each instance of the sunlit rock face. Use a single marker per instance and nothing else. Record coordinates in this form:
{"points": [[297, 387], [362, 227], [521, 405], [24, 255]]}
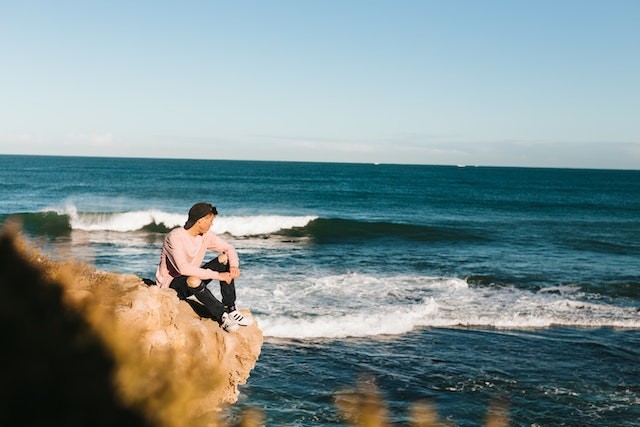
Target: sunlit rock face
{"points": [[152, 354]]}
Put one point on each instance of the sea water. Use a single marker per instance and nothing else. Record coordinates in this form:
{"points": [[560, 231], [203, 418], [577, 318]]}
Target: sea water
{"points": [[455, 285]]}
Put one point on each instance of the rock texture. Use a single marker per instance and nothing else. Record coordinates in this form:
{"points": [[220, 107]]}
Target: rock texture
{"points": [[169, 364]]}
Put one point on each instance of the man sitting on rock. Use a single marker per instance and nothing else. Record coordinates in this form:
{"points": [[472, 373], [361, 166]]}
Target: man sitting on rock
{"points": [[181, 266]]}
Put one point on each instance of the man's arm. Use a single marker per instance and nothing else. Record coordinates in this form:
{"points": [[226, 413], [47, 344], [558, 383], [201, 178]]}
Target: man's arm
{"points": [[227, 250], [176, 255], [216, 244]]}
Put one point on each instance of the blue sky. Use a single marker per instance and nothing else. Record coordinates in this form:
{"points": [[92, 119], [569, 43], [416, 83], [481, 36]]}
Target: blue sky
{"points": [[512, 83]]}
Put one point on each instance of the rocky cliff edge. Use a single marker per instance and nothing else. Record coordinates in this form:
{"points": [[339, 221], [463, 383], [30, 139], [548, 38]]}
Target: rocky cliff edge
{"points": [[168, 363]]}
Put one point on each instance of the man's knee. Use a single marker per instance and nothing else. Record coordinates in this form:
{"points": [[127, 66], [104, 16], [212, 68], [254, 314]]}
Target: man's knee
{"points": [[223, 258], [193, 282], [216, 265]]}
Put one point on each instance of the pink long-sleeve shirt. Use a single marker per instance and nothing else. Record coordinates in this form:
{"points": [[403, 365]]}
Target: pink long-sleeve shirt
{"points": [[182, 255]]}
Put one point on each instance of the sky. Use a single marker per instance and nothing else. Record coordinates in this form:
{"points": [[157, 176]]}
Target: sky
{"points": [[540, 83]]}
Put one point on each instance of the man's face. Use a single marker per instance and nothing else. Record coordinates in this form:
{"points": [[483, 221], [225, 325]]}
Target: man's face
{"points": [[204, 223]]}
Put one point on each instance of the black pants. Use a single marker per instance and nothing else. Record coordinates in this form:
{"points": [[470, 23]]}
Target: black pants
{"points": [[202, 293]]}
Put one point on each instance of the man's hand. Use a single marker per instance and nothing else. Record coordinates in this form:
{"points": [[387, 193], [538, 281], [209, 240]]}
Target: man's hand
{"points": [[234, 273], [225, 277]]}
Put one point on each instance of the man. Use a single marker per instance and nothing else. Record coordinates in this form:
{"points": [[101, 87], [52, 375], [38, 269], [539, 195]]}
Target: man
{"points": [[180, 268]]}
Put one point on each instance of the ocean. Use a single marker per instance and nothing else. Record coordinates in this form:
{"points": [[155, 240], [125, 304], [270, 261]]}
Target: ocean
{"points": [[452, 285]]}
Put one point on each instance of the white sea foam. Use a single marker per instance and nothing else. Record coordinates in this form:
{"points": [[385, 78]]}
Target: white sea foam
{"points": [[123, 222], [135, 220], [386, 321], [356, 305], [258, 225]]}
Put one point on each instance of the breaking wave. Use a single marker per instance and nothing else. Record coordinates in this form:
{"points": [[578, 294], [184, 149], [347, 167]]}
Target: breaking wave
{"points": [[320, 230], [356, 305], [56, 223]]}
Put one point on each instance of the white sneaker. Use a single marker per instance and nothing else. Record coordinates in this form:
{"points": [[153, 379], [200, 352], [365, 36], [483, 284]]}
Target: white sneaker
{"points": [[228, 324], [240, 319]]}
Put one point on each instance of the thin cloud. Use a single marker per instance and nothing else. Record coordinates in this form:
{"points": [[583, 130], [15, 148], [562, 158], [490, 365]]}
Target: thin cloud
{"points": [[93, 139]]}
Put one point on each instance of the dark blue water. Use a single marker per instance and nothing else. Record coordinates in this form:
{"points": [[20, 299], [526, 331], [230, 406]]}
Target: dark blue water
{"points": [[455, 285]]}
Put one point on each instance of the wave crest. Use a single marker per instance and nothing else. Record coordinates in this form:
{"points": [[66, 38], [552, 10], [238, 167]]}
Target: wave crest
{"points": [[61, 222], [320, 230]]}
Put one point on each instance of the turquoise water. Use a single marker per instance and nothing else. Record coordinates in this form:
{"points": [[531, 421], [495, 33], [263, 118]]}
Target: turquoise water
{"points": [[456, 285]]}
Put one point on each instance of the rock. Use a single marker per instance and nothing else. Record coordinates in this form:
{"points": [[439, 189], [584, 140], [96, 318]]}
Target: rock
{"points": [[170, 364]]}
